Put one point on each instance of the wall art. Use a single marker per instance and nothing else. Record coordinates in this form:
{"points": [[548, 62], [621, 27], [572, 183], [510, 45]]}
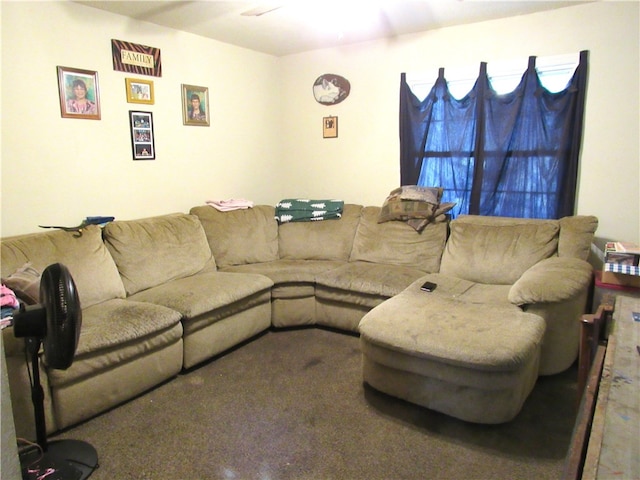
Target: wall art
{"points": [[79, 93], [330, 127], [142, 142], [134, 58], [139, 91], [331, 89], [195, 105]]}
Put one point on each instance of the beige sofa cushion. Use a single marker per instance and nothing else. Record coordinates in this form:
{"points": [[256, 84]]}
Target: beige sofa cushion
{"points": [[242, 236], [454, 333], [323, 240], [25, 283], [497, 250], [152, 251], [362, 282], [576, 236], [90, 264], [555, 279], [396, 243], [117, 332]]}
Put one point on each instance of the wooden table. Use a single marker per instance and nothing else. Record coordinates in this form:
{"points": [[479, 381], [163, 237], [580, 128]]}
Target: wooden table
{"points": [[613, 451]]}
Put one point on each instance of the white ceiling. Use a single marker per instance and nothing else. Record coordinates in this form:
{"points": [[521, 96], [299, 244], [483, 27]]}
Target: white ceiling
{"points": [[303, 25]]}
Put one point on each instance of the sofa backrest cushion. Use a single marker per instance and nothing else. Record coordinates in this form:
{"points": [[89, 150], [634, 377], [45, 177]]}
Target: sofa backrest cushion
{"points": [[497, 250], [153, 251], [320, 240], [239, 237], [397, 243], [576, 236], [93, 269]]}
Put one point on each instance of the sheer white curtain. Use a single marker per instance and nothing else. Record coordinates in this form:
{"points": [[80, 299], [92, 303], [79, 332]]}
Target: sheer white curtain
{"points": [[555, 72]]}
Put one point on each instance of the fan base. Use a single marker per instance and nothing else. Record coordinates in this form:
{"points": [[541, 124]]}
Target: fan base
{"points": [[63, 460]]}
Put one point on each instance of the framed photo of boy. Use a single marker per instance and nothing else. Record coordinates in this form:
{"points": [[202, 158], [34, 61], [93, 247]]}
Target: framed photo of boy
{"points": [[139, 91], [195, 105], [79, 93], [142, 141]]}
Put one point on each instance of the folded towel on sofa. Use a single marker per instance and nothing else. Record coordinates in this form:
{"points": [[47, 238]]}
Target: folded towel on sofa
{"points": [[231, 204], [306, 210]]}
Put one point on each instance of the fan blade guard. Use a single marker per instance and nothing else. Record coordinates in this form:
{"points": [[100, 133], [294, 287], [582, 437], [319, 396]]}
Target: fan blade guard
{"points": [[59, 297]]}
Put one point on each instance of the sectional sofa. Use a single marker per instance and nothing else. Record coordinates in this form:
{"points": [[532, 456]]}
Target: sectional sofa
{"points": [[161, 295]]}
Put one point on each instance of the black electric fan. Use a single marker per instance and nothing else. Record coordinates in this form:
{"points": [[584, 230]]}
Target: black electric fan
{"points": [[55, 325]]}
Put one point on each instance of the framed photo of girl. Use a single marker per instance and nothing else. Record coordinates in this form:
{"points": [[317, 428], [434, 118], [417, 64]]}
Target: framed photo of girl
{"points": [[195, 105], [79, 93]]}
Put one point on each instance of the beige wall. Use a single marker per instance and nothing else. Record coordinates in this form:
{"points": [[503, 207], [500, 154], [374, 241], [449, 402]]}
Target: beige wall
{"points": [[58, 171], [265, 142], [362, 164]]}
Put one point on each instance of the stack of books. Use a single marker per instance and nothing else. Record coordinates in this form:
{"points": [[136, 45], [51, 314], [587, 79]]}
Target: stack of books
{"points": [[622, 264]]}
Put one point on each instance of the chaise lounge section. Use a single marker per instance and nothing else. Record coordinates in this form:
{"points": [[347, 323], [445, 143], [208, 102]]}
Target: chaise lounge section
{"points": [[473, 348], [163, 294]]}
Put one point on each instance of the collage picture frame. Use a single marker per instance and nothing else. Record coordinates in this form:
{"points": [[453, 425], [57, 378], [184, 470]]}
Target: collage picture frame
{"points": [[142, 140]]}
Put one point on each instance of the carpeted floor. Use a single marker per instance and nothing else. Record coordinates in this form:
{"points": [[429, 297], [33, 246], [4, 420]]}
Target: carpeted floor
{"points": [[292, 405]]}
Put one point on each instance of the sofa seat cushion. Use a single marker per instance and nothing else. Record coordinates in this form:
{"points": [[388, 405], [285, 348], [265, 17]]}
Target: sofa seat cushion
{"points": [[156, 250], [470, 292], [480, 293], [452, 331], [199, 294], [88, 260], [288, 271], [117, 331], [364, 283], [474, 361], [322, 240], [291, 278], [239, 237], [497, 250], [397, 243]]}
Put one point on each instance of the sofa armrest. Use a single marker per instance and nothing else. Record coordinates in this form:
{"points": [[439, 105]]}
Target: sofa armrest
{"points": [[554, 279], [13, 347]]}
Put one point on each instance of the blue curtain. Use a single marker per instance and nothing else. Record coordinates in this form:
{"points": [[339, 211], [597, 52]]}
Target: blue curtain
{"points": [[513, 155]]}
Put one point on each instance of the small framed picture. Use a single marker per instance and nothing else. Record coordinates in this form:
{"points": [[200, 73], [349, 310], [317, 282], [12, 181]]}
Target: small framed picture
{"points": [[195, 105], [330, 127], [79, 93], [142, 142], [139, 91]]}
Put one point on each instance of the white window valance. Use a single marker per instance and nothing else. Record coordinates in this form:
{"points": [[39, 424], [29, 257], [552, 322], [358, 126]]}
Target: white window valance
{"points": [[554, 73]]}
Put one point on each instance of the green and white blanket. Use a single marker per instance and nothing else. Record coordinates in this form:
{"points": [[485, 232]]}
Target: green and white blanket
{"points": [[306, 210]]}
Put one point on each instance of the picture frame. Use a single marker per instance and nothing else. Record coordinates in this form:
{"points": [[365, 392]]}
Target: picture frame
{"points": [[330, 127], [142, 139], [195, 99], [139, 91], [79, 93]]}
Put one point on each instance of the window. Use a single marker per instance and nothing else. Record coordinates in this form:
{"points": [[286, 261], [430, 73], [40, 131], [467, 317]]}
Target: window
{"points": [[503, 143]]}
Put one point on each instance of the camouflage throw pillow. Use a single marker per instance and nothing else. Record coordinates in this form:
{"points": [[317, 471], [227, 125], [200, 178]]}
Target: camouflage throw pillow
{"points": [[418, 206]]}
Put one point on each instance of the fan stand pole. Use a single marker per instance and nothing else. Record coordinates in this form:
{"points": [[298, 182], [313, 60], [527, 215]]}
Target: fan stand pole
{"points": [[37, 393], [68, 459]]}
